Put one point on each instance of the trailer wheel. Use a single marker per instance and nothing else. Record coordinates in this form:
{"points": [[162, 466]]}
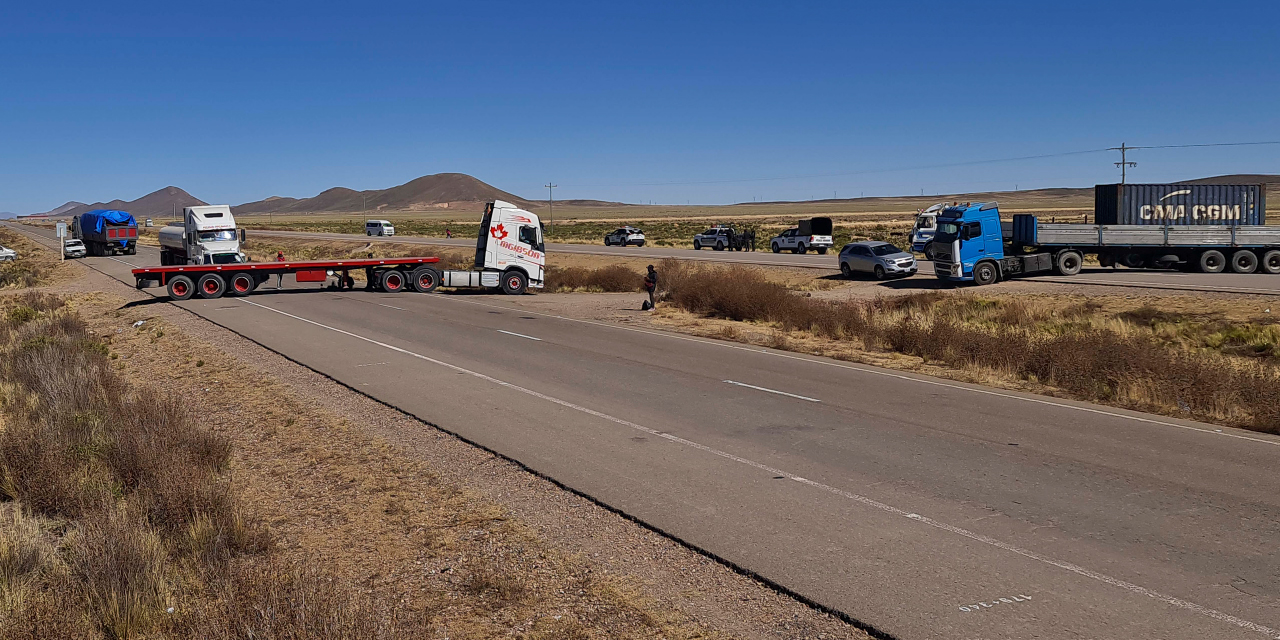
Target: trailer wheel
{"points": [[1106, 259], [1132, 260], [425, 279], [1271, 261], [392, 281], [1069, 263], [985, 273], [1244, 261], [1212, 261], [181, 288], [242, 284], [131, 250], [514, 283], [210, 286]]}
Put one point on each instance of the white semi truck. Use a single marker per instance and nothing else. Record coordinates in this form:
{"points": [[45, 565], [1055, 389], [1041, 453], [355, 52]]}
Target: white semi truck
{"points": [[207, 235], [202, 257]]}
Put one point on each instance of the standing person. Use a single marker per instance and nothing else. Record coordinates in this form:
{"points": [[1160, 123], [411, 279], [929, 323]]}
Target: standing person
{"points": [[650, 285], [447, 233], [280, 276], [751, 239]]}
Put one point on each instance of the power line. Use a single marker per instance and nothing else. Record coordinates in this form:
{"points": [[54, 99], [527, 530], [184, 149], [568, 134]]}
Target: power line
{"points": [[920, 167]]}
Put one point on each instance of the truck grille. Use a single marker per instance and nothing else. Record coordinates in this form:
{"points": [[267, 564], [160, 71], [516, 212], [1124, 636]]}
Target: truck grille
{"points": [[942, 253]]}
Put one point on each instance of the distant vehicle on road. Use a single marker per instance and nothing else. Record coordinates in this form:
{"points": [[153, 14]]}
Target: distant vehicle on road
{"points": [[73, 248], [924, 229], [106, 232], [624, 236], [717, 237], [150, 223], [379, 228], [8, 255], [814, 233], [880, 259]]}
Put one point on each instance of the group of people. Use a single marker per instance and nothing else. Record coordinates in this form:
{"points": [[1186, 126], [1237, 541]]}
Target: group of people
{"points": [[745, 241]]}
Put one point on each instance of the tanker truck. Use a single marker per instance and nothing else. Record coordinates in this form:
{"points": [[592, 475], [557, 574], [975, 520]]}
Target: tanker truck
{"points": [[207, 235]]}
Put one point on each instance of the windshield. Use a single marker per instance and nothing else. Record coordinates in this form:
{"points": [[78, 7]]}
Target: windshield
{"points": [[214, 236], [925, 222], [226, 258], [947, 231], [885, 250]]}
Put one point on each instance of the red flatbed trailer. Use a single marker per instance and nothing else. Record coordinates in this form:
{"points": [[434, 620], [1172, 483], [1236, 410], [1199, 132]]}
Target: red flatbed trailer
{"points": [[391, 275]]}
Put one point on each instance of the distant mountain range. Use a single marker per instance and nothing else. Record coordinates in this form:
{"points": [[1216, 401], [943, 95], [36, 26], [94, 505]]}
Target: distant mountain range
{"points": [[158, 203], [437, 191], [465, 193]]}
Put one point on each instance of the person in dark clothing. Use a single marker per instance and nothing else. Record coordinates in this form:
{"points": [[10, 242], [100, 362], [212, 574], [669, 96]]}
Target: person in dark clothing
{"points": [[751, 239], [280, 276], [651, 285]]}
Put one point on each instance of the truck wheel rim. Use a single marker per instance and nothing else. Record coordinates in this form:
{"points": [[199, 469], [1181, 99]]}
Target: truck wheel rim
{"points": [[180, 288], [240, 284], [393, 282], [426, 280], [210, 287], [513, 283]]}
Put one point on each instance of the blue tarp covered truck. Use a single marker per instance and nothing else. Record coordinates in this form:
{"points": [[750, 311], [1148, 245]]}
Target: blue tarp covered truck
{"points": [[106, 232]]}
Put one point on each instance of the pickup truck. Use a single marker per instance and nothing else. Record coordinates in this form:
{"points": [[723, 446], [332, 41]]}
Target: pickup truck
{"points": [[718, 238], [814, 233]]}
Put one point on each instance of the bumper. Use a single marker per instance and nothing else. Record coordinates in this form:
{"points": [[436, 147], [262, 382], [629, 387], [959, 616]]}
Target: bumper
{"points": [[901, 269], [949, 270]]}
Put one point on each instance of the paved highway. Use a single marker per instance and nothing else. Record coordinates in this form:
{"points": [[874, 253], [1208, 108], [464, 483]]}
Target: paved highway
{"points": [[1254, 283], [923, 507]]}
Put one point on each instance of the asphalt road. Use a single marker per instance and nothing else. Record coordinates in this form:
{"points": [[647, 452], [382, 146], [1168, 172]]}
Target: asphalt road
{"points": [[1253, 283], [923, 507]]}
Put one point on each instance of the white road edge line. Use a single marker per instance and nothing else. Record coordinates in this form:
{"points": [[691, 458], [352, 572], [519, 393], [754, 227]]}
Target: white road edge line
{"points": [[781, 393], [520, 335], [910, 515], [389, 306], [888, 374]]}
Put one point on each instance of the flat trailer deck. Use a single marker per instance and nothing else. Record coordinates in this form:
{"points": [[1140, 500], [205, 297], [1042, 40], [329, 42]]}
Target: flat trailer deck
{"points": [[391, 275]]}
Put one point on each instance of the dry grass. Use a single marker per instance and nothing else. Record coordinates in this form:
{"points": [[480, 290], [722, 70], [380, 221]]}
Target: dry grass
{"points": [[33, 266], [1139, 359]]}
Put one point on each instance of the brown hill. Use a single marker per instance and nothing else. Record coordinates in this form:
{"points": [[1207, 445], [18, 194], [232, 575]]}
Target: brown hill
{"points": [[441, 190], [156, 204]]}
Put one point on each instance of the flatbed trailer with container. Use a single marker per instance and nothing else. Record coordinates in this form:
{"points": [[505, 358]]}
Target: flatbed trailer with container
{"points": [[391, 275]]}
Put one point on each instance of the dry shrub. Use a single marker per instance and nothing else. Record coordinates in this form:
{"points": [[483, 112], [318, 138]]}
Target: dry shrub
{"points": [[278, 601], [614, 278], [119, 564], [1091, 362]]}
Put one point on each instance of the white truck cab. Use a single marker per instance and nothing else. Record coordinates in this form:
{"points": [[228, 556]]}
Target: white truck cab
{"points": [[509, 252], [207, 235]]}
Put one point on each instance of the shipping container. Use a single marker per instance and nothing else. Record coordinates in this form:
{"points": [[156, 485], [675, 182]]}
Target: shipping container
{"points": [[1180, 204]]}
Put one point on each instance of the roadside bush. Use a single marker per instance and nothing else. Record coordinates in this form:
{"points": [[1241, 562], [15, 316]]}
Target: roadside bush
{"points": [[1059, 348], [614, 278]]}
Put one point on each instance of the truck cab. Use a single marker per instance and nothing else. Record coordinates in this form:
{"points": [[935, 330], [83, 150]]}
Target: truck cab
{"points": [[967, 235], [509, 252], [925, 227], [207, 235]]}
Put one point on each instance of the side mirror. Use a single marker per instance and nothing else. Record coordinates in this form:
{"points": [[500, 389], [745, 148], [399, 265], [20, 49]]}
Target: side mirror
{"points": [[964, 233], [242, 235]]}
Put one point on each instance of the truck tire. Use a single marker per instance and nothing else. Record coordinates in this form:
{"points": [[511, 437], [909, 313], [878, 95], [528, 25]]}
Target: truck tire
{"points": [[697, 246], [425, 279], [241, 284], [1271, 261], [514, 283], [776, 248], [181, 288], [1068, 263], [1132, 260], [1244, 261], [1212, 261], [132, 250], [391, 281], [985, 273], [211, 286], [1107, 259]]}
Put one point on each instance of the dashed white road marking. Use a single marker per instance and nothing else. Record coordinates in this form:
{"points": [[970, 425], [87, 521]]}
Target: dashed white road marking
{"points": [[388, 306], [519, 335], [870, 502], [887, 374], [371, 364], [781, 393]]}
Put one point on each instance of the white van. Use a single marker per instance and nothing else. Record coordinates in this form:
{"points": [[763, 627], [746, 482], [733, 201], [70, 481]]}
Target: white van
{"points": [[379, 228]]}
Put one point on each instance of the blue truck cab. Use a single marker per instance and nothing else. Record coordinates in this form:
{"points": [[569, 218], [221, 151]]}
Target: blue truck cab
{"points": [[969, 246]]}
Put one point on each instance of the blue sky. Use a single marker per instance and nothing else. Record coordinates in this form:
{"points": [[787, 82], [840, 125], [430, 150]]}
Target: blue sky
{"points": [[648, 101]]}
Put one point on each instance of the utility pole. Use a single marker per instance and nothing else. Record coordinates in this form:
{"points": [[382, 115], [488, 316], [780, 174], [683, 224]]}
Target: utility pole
{"points": [[551, 205], [1124, 164]]}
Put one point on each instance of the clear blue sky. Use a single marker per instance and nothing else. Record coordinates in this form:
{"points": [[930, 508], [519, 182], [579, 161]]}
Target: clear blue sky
{"points": [[238, 101]]}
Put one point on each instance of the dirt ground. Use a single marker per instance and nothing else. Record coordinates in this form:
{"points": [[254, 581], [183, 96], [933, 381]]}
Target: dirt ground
{"points": [[483, 547]]}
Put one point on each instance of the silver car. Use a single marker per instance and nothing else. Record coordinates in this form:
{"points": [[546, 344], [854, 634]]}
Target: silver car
{"points": [[880, 259], [73, 249], [8, 255]]}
